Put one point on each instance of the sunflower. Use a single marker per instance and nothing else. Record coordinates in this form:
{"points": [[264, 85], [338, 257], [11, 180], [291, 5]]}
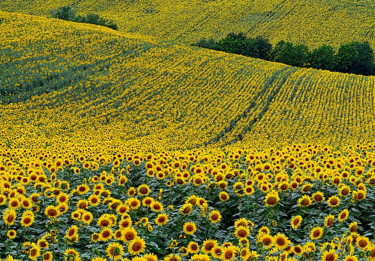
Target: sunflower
{"points": [[71, 232], [351, 258], [344, 190], [136, 246], [133, 203], [200, 257], [316, 233], [228, 253], [214, 216], [9, 216], [129, 234], [51, 212], [26, 203], [329, 255], [362, 242], [217, 251], [283, 186], [208, 245], [14, 203], [186, 209], [333, 201], [223, 196], [318, 196], [193, 247], [147, 201], [157, 206], [371, 252], [296, 221], [189, 228], [105, 234], [11, 234], [267, 240], [34, 252], [104, 221], [304, 201], [94, 200], [27, 218], [98, 259], [150, 257], [125, 223], [143, 190], [343, 215], [328, 221], [241, 232], [242, 222], [82, 189], [281, 241], [47, 256], [298, 250], [114, 250], [271, 199], [161, 219], [87, 217], [353, 227]]}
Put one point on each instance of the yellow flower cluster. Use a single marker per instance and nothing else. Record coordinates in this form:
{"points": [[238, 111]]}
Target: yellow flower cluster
{"points": [[164, 205]]}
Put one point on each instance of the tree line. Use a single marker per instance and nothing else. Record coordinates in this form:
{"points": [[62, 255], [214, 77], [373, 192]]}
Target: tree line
{"points": [[354, 57], [69, 14]]}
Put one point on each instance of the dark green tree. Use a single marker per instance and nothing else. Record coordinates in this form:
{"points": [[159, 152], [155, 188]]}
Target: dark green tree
{"points": [[263, 47], [322, 58], [64, 13], [286, 52], [355, 58], [206, 43]]}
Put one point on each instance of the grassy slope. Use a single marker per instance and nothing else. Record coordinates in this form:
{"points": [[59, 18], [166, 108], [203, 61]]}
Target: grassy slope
{"points": [[314, 22], [93, 87]]}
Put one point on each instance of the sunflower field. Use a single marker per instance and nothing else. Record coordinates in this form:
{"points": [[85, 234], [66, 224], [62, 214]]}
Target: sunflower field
{"points": [[117, 146], [296, 203], [187, 21]]}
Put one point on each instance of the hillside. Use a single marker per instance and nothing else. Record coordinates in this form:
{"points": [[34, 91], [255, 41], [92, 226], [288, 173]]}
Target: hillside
{"points": [[313, 22], [85, 85]]}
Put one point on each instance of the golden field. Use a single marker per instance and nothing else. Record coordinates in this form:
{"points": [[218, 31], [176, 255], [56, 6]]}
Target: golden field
{"points": [[312, 22], [119, 146]]}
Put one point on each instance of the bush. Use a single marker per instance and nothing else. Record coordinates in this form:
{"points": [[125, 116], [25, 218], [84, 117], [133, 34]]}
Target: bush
{"points": [[286, 52], [322, 58], [69, 14], [355, 58]]}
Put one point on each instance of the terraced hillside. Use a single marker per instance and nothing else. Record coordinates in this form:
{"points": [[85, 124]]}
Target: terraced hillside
{"points": [[84, 85], [313, 22]]}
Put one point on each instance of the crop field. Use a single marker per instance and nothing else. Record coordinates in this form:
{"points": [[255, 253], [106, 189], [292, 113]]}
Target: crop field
{"points": [[119, 146], [312, 22]]}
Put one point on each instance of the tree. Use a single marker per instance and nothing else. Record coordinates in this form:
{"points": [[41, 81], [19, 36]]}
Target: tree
{"points": [[204, 43], [322, 58], [355, 58], [64, 13], [286, 52], [69, 14], [264, 48]]}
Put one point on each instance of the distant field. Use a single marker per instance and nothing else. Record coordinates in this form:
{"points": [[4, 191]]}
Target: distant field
{"points": [[85, 84], [313, 22]]}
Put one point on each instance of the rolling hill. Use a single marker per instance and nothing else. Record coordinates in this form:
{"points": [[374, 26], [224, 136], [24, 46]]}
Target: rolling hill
{"points": [[313, 22], [92, 87]]}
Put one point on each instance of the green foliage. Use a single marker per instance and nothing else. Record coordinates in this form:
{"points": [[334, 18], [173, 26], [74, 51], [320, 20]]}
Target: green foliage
{"points": [[64, 13], [240, 44], [206, 43], [355, 58], [286, 52], [322, 58], [69, 14]]}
